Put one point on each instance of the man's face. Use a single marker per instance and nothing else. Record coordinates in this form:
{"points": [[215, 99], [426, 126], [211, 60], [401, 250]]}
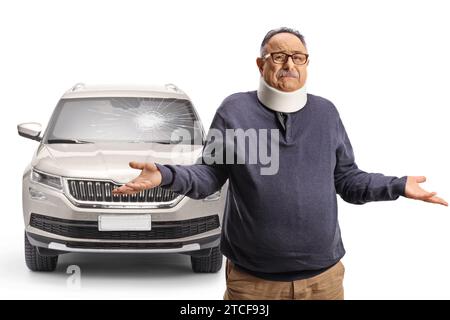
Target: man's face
{"points": [[286, 76]]}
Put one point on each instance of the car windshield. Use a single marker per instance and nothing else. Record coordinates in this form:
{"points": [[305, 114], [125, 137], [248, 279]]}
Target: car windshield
{"points": [[161, 120]]}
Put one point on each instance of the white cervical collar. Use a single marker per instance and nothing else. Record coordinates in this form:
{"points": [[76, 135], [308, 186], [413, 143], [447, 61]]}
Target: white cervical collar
{"points": [[281, 101]]}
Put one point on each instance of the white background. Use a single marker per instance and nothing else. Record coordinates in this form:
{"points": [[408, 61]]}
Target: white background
{"points": [[384, 64]]}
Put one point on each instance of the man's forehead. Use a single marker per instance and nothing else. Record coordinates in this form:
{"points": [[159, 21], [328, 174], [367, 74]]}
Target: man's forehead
{"points": [[285, 42]]}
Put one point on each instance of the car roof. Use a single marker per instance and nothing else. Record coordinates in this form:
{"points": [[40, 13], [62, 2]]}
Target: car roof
{"points": [[81, 90]]}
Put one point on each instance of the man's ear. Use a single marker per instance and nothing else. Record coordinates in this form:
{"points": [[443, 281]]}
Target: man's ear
{"points": [[260, 64]]}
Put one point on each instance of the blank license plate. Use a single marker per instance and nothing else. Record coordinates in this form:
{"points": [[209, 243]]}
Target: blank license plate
{"points": [[125, 222]]}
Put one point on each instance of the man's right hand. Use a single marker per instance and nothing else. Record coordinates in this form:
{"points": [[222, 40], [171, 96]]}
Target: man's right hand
{"points": [[150, 177]]}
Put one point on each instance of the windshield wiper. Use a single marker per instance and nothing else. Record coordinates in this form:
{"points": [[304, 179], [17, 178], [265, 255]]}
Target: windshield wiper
{"points": [[67, 141], [155, 141]]}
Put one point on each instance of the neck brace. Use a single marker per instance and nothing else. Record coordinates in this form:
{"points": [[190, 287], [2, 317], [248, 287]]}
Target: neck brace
{"points": [[281, 101]]}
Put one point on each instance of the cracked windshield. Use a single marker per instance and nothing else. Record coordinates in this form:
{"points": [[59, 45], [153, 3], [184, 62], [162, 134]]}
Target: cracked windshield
{"points": [[90, 120]]}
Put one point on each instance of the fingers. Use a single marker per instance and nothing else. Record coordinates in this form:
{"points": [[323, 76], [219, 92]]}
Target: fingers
{"points": [[437, 200], [137, 165], [123, 190], [133, 187], [420, 179], [429, 194], [139, 186], [143, 165], [414, 191]]}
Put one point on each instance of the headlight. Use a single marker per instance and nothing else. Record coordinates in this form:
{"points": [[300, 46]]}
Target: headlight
{"points": [[46, 179]]}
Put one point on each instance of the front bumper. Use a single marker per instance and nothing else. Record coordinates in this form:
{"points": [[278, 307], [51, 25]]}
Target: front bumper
{"points": [[189, 226], [50, 246]]}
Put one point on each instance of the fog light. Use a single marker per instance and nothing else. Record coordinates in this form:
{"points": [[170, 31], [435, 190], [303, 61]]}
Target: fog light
{"points": [[36, 195]]}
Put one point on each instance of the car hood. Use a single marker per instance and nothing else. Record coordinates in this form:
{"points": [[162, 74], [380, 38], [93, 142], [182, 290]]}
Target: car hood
{"points": [[109, 161]]}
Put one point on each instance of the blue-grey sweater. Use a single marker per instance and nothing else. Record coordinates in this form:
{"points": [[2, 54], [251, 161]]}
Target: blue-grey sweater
{"points": [[286, 223]]}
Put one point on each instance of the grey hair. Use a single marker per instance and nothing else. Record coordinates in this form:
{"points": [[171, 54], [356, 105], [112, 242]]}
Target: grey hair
{"points": [[273, 32]]}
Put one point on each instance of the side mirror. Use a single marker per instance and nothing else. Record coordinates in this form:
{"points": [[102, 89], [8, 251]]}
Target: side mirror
{"points": [[30, 130]]}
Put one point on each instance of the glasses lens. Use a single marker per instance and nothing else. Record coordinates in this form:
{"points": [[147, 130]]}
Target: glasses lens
{"points": [[299, 58], [279, 57]]}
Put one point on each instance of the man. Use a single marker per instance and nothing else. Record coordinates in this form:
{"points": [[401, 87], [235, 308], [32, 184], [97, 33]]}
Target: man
{"points": [[280, 233]]}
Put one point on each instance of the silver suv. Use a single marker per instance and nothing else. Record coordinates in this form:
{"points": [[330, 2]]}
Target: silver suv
{"points": [[93, 134]]}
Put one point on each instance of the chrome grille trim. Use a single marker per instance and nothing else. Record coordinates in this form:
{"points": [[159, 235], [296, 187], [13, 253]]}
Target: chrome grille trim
{"points": [[98, 194]]}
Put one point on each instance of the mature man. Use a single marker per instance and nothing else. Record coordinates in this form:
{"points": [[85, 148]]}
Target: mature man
{"points": [[280, 233]]}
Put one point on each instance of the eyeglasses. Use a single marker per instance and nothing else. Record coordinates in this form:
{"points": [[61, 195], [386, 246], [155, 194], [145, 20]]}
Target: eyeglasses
{"points": [[281, 57]]}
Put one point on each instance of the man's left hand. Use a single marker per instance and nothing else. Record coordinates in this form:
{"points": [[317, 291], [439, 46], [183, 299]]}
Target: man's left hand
{"points": [[414, 191]]}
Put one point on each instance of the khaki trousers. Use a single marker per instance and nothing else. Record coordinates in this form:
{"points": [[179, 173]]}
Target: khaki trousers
{"points": [[325, 286]]}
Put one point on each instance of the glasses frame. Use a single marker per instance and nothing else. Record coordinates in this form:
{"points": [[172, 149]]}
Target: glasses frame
{"points": [[287, 57]]}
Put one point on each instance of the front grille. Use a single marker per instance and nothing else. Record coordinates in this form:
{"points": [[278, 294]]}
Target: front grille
{"points": [[89, 229], [101, 191]]}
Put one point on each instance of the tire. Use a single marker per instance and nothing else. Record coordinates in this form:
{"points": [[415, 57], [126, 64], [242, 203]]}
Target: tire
{"points": [[36, 261], [208, 264]]}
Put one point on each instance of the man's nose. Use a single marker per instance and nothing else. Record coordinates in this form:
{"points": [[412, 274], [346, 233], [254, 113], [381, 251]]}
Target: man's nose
{"points": [[289, 64]]}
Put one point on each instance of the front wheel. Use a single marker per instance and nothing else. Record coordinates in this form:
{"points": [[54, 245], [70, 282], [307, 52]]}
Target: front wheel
{"points": [[37, 262], [208, 264]]}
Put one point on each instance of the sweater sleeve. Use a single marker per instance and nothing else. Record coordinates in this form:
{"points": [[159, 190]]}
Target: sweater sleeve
{"points": [[356, 186], [202, 179]]}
